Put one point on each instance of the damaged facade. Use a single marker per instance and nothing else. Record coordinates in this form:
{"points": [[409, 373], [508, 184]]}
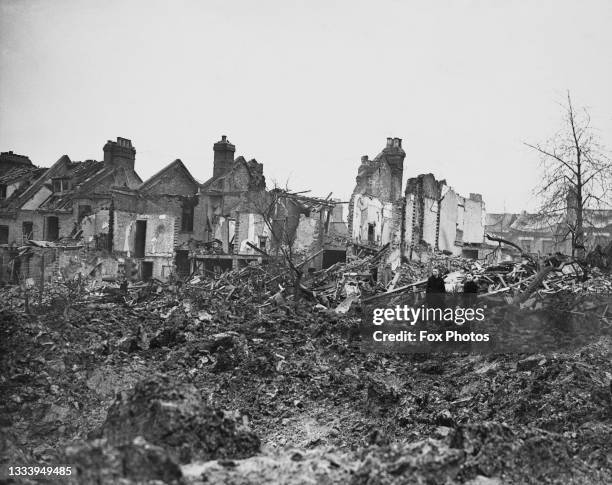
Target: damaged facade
{"points": [[69, 197], [69, 201], [438, 218], [100, 216], [230, 210], [429, 216], [168, 225], [541, 235], [313, 228], [376, 204], [152, 222]]}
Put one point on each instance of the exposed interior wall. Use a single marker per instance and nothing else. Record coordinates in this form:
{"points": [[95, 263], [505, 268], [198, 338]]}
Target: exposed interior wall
{"points": [[11, 188], [95, 224], [38, 198], [251, 226], [159, 239], [370, 213], [474, 221], [307, 232], [222, 231], [449, 220], [437, 218], [216, 211]]}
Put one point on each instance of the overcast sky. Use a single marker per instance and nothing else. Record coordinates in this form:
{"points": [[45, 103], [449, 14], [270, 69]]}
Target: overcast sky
{"points": [[306, 87]]}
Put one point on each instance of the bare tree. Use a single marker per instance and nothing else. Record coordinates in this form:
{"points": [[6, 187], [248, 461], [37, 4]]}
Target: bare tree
{"points": [[576, 176], [281, 210], [273, 207]]}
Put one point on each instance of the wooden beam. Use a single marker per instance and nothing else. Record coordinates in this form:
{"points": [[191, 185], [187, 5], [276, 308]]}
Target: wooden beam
{"points": [[258, 249], [397, 290]]}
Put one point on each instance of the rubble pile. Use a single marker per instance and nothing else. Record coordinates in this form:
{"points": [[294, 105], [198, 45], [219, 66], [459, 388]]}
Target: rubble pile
{"points": [[232, 379], [526, 283], [152, 429], [601, 258], [174, 416], [139, 461]]}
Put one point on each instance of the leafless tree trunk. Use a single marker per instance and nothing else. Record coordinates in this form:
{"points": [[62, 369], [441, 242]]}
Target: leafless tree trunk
{"points": [[275, 216], [577, 177]]}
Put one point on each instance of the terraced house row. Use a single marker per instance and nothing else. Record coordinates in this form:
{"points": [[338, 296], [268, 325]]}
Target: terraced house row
{"points": [[101, 218]]}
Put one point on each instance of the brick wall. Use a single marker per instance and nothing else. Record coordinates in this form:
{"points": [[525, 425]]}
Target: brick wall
{"points": [[172, 182], [449, 212], [473, 224]]}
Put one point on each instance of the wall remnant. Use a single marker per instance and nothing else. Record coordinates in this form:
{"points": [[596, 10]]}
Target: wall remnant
{"points": [[429, 216]]}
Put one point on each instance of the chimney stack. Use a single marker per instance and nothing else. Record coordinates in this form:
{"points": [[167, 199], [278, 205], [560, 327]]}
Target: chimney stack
{"points": [[394, 155], [10, 160], [224, 156], [120, 153]]}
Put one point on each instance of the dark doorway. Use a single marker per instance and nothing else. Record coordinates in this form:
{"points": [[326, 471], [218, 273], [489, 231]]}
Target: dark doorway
{"points": [[147, 270], [217, 265], [470, 253], [182, 263], [187, 217], [4, 234], [222, 265], [52, 228], [84, 211], [371, 234], [27, 229], [333, 256], [141, 237]]}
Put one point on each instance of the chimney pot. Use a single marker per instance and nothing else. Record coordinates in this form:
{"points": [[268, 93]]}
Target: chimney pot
{"points": [[223, 138], [389, 142], [364, 158]]}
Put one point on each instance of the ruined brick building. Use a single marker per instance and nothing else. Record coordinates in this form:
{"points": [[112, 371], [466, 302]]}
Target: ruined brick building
{"points": [[543, 235], [231, 205], [70, 199], [48, 204], [246, 222], [17, 173], [428, 216], [150, 222], [376, 203], [101, 216], [438, 218]]}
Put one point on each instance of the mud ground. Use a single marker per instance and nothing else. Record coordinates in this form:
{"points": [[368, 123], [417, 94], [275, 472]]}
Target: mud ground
{"points": [[173, 393]]}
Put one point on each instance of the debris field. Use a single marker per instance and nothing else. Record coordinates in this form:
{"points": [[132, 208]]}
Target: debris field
{"points": [[239, 378]]}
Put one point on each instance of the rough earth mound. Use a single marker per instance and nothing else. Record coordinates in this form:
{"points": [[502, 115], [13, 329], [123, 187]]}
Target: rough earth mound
{"points": [[173, 416]]}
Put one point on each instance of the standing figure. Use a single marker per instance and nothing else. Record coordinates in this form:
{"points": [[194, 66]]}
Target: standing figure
{"points": [[435, 290], [470, 290]]}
